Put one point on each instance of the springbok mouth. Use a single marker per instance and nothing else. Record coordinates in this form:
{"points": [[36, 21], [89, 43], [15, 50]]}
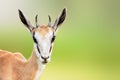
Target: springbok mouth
{"points": [[45, 62]]}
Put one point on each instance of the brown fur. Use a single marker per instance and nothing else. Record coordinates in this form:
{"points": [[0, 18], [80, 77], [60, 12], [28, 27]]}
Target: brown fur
{"points": [[15, 67], [43, 30]]}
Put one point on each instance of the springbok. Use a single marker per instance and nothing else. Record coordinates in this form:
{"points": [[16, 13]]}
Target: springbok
{"points": [[15, 66]]}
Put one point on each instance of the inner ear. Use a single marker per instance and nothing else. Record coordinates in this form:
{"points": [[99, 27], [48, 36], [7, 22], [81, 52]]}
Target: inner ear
{"points": [[25, 21], [60, 19]]}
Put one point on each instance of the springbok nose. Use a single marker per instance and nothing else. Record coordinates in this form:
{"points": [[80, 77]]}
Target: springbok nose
{"points": [[45, 58]]}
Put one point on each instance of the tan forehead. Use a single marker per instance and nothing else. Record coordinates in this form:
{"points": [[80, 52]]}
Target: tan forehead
{"points": [[43, 30]]}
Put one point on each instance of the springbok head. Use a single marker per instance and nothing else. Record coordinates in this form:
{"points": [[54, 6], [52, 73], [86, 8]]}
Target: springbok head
{"points": [[43, 35]]}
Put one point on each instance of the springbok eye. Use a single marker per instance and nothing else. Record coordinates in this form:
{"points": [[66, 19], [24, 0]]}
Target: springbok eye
{"points": [[53, 39]]}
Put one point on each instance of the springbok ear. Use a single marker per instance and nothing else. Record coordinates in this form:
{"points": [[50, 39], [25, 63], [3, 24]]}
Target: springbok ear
{"points": [[25, 21], [60, 19]]}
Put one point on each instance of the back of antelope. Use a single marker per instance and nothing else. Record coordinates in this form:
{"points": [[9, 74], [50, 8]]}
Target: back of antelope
{"points": [[14, 66]]}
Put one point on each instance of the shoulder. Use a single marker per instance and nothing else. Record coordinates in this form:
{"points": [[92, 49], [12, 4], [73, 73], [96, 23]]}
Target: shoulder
{"points": [[8, 55], [4, 53], [19, 56], [5, 57]]}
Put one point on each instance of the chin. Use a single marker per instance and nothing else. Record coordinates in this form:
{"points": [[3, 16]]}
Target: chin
{"points": [[45, 62]]}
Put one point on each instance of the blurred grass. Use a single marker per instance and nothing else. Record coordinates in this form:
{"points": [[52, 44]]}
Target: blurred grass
{"points": [[87, 46]]}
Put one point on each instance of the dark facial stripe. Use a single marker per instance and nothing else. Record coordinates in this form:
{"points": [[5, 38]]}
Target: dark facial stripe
{"points": [[50, 48], [35, 39], [38, 49]]}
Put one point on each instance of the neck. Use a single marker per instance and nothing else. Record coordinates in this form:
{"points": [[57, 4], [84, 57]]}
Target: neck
{"points": [[36, 66]]}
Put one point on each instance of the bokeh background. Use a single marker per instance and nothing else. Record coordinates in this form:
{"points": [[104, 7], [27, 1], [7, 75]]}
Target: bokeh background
{"points": [[87, 45]]}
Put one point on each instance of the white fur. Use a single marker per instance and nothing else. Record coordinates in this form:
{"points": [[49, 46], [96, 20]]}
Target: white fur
{"points": [[44, 44], [40, 69]]}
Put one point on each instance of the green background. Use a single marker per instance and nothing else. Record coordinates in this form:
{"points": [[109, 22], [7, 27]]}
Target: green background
{"points": [[87, 45]]}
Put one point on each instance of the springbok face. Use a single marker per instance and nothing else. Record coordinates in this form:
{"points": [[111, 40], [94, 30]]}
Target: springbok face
{"points": [[43, 35]]}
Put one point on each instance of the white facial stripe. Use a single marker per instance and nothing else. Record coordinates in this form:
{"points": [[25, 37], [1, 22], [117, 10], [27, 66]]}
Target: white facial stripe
{"points": [[43, 47]]}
